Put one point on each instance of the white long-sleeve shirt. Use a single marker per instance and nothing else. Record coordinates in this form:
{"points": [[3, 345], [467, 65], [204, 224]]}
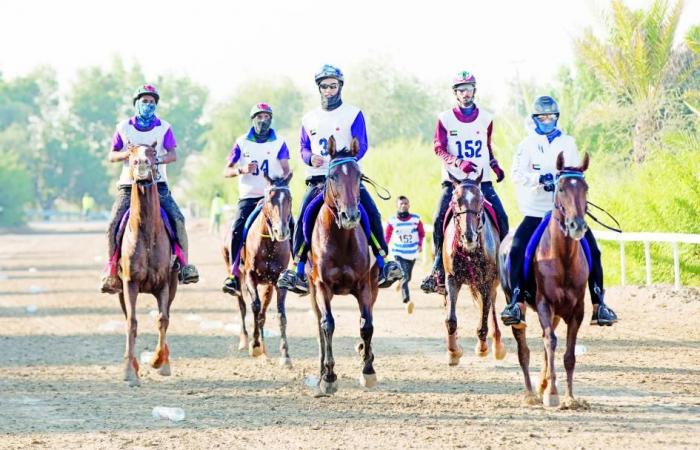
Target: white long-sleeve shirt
{"points": [[535, 156]]}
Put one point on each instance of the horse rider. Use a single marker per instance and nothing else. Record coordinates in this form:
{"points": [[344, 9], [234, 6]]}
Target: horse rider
{"points": [[343, 122], [463, 142], [533, 173], [256, 153], [144, 128]]}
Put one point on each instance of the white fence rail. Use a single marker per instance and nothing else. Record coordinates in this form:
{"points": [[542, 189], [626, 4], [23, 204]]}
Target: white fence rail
{"points": [[646, 238]]}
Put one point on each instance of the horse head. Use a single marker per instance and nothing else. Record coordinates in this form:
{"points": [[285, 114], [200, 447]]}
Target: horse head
{"points": [[142, 163], [278, 206], [343, 184], [468, 210], [571, 198]]}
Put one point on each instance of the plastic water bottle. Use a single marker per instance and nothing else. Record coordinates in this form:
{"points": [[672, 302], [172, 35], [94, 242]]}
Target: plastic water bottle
{"points": [[165, 412]]}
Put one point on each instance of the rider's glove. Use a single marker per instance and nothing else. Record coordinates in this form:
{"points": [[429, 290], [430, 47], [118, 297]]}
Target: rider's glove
{"points": [[547, 181], [465, 166]]}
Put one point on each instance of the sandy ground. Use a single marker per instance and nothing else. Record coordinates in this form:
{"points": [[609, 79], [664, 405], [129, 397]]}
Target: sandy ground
{"points": [[61, 368]]}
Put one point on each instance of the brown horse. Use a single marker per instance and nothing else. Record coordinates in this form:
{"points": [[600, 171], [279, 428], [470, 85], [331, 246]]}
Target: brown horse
{"points": [[471, 258], [145, 262], [340, 264], [561, 275], [265, 254]]}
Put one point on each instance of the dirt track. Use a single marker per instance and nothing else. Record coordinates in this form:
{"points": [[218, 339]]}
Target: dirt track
{"points": [[61, 369]]}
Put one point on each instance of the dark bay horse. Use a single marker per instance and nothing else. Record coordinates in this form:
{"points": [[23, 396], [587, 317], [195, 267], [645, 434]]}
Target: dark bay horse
{"points": [[146, 260], [340, 264], [265, 254], [561, 274], [471, 258]]}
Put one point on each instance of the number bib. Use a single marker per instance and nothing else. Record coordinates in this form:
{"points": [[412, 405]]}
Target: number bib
{"points": [[252, 185], [467, 141], [320, 125]]}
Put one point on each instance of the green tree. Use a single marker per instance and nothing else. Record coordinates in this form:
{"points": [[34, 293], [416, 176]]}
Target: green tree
{"points": [[632, 64]]}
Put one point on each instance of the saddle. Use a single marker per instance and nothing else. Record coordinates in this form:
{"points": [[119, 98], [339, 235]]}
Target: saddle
{"points": [[311, 213], [490, 212], [534, 242], [169, 229]]}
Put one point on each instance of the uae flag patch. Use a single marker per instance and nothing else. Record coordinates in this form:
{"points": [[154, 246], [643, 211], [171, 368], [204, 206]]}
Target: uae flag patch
{"points": [[453, 132]]}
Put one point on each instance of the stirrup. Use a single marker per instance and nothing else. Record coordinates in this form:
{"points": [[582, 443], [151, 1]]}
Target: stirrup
{"points": [[188, 274], [231, 286], [392, 272], [431, 284], [111, 284], [607, 319], [290, 281]]}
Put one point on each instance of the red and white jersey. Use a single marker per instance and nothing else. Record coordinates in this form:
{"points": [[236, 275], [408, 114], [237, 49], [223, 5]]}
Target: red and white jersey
{"points": [[467, 141]]}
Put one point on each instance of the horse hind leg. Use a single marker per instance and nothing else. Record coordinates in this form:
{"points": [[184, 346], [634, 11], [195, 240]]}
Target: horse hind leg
{"points": [[368, 377], [524, 359], [285, 360]]}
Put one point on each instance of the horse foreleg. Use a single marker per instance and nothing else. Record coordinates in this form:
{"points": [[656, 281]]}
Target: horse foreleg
{"points": [[131, 369], [499, 349], [524, 360], [255, 348], [266, 298], [570, 362], [285, 360], [328, 383], [321, 337], [550, 395], [368, 377], [454, 350], [482, 333], [160, 356]]}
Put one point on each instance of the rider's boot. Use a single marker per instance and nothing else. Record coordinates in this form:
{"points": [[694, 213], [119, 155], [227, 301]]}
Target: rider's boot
{"points": [[514, 313], [602, 314], [111, 283]]}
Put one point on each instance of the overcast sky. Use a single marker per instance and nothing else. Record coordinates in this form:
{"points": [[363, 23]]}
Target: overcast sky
{"points": [[221, 45]]}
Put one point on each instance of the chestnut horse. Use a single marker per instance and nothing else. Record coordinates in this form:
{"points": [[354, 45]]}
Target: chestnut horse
{"points": [[340, 264], [265, 254], [471, 258], [561, 274], [145, 262]]}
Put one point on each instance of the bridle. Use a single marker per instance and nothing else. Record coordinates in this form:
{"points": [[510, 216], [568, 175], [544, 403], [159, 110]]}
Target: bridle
{"points": [[329, 185], [268, 220], [558, 206], [469, 184]]}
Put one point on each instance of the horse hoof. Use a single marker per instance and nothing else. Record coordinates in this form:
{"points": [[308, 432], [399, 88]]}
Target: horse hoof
{"points": [[453, 357], [530, 399], [574, 404], [164, 370], [550, 400], [409, 307], [242, 343], [133, 381], [256, 350], [328, 387], [285, 362], [368, 380], [482, 351], [500, 351]]}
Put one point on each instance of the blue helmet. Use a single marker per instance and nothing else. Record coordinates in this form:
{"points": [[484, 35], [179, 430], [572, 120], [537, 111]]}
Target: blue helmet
{"points": [[329, 71], [545, 105]]}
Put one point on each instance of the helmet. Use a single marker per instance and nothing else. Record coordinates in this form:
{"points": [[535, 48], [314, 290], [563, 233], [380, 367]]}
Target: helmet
{"points": [[146, 89], [329, 71], [545, 105], [463, 77], [260, 107]]}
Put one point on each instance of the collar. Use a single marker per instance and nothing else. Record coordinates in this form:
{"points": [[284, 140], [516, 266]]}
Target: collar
{"points": [[466, 119], [271, 136], [156, 123]]}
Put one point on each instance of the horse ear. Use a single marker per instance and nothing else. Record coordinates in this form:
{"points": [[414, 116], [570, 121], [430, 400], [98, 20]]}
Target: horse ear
{"points": [[331, 146], [586, 160], [354, 147], [154, 144], [267, 177], [560, 161], [481, 175], [288, 178], [454, 180]]}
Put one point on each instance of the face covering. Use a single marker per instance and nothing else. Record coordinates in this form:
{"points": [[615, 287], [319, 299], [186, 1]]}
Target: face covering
{"points": [[403, 215], [145, 114], [333, 102], [261, 127]]}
